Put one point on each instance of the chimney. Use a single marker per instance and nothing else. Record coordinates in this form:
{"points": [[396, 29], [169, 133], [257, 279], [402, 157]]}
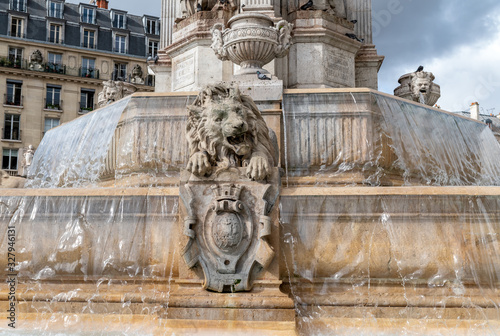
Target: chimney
{"points": [[474, 110], [102, 4]]}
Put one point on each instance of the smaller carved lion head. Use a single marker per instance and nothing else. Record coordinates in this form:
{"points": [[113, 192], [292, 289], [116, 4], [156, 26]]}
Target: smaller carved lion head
{"points": [[36, 57], [421, 83], [225, 129]]}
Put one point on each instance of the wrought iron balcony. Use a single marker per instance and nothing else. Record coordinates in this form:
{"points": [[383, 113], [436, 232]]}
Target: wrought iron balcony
{"points": [[55, 68], [53, 39], [89, 72], [86, 109], [13, 62], [13, 100], [88, 45], [53, 105], [12, 135]]}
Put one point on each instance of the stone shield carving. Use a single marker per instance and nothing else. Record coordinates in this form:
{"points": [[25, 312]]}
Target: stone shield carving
{"points": [[228, 226]]}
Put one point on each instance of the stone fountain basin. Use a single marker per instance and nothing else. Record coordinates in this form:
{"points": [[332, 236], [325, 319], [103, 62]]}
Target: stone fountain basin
{"points": [[368, 242], [347, 253]]}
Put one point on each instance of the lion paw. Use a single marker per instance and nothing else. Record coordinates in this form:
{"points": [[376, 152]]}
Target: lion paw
{"points": [[258, 168], [199, 165]]}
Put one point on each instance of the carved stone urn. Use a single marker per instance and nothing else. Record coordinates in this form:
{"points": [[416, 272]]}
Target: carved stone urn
{"points": [[251, 41], [419, 87]]}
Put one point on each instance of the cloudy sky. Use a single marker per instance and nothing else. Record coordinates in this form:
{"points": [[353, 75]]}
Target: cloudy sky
{"points": [[457, 40]]}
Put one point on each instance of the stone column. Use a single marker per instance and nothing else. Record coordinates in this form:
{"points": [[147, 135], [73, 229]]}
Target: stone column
{"points": [[267, 7], [168, 14], [361, 10]]}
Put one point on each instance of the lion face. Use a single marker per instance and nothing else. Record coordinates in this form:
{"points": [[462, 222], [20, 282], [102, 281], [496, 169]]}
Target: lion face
{"points": [[226, 122]]}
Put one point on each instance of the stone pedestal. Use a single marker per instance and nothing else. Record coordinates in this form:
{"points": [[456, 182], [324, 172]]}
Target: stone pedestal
{"points": [[368, 63], [163, 72], [194, 64], [322, 56]]}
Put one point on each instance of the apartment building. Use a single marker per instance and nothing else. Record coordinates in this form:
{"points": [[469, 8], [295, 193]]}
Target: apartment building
{"points": [[54, 57]]}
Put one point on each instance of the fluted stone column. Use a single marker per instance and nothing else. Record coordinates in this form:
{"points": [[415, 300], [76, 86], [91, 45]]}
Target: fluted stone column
{"points": [[361, 10], [168, 14]]}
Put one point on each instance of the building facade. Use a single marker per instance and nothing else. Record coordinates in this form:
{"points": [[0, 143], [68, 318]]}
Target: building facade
{"points": [[54, 57]]}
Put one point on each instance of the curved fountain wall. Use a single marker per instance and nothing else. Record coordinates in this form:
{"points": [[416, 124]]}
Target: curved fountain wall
{"points": [[388, 212]]}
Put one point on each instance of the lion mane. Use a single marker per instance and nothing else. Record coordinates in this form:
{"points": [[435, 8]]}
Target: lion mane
{"points": [[204, 137]]}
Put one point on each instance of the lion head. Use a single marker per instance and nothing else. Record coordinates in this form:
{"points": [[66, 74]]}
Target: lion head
{"points": [[225, 129], [421, 84], [36, 57]]}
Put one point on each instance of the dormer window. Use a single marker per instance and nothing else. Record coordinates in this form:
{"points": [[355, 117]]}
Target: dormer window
{"points": [[119, 19], [55, 9], [18, 5], [152, 26], [87, 14]]}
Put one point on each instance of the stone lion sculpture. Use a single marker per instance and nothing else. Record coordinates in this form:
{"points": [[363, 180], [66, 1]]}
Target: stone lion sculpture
{"points": [[225, 129], [36, 60], [113, 91], [7, 181]]}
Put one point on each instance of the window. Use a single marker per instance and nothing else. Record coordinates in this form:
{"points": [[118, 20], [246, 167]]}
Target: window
{"points": [[89, 38], [153, 48], [86, 100], [56, 9], [119, 20], [54, 58], [15, 55], [88, 15], [55, 33], [54, 63], [120, 44], [152, 27], [18, 5], [88, 68], [50, 123], [11, 127], [17, 27], [53, 100], [9, 161], [13, 96], [120, 72]]}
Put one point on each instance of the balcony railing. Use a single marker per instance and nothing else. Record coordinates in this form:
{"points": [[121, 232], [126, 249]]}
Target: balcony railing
{"points": [[13, 62], [53, 105], [55, 40], [120, 50], [89, 72], [117, 76], [88, 45], [19, 35], [15, 135], [12, 100], [11, 172], [86, 109], [55, 68]]}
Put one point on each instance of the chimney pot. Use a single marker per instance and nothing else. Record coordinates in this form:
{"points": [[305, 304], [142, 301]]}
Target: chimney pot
{"points": [[102, 4], [474, 111]]}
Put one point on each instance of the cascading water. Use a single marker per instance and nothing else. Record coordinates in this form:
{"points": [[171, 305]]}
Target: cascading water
{"points": [[419, 256], [85, 147]]}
